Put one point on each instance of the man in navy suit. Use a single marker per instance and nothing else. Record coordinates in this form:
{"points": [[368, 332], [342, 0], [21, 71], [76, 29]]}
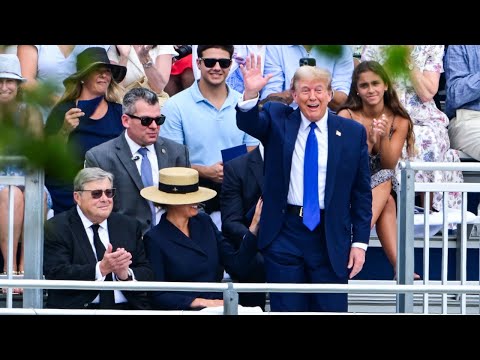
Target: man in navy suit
{"points": [[241, 189], [334, 249]]}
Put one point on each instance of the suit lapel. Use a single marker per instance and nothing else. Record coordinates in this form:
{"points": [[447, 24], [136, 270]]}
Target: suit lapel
{"points": [[80, 235], [292, 124], [125, 156], [162, 156], [334, 154]]}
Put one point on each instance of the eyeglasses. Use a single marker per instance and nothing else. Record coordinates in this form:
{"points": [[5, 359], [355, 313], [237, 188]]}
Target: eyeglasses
{"points": [[147, 120], [210, 62], [97, 194]]}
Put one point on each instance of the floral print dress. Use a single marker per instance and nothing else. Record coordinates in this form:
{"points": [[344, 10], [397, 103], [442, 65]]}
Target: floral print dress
{"points": [[432, 143]]}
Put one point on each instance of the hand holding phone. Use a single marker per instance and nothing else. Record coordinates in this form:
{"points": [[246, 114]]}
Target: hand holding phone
{"points": [[307, 61]]}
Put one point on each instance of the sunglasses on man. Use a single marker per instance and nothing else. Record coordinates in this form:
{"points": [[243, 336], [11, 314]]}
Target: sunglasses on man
{"points": [[97, 194], [210, 62], [147, 120]]}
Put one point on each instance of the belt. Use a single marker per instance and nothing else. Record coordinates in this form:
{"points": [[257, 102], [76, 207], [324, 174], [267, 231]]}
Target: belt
{"points": [[298, 210], [295, 210]]}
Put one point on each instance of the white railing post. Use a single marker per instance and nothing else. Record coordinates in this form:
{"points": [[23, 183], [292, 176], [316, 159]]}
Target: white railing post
{"points": [[405, 246], [33, 236], [230, 301]]}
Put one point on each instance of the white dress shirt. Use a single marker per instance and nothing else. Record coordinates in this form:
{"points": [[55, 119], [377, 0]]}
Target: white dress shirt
{"points": [[152, 157], [104, 238]]}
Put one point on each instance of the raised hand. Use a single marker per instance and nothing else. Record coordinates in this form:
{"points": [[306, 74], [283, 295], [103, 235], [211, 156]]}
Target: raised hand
{"points": [[253, 79], [71, 120]]}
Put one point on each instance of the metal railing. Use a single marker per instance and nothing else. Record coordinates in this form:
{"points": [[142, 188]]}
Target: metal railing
{"points": [[230, 290], [405, 262], [32, 227], [405, 288]]}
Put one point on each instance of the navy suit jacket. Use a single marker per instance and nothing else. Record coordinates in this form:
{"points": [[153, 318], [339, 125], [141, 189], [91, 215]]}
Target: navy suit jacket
{"points": [[198, 258], [348, 197], [241, 188], [68, 255]]}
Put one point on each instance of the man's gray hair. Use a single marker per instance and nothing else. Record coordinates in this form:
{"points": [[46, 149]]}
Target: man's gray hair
{"points": [[87, 175], [135, 94], [307, 72]]}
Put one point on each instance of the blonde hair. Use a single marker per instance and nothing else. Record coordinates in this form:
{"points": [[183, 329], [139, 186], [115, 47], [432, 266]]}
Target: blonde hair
{"points": [[307, 72], [73, 90]]}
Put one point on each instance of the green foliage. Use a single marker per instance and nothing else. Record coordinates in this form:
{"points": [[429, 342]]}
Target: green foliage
{"points": [[42, 95], [334, 51], [396, 63], [48, 153]]}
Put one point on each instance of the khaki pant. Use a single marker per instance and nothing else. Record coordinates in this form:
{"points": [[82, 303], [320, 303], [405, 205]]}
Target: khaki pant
{"points": [[464, 132]]}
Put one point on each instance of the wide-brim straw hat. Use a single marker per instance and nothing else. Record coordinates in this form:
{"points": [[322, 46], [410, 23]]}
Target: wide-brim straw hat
{"points": [[10, 67], [177, 186], [91, 58]]}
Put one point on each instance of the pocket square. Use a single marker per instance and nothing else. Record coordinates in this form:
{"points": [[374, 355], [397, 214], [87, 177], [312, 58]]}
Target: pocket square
{"points": [[338, 133]]}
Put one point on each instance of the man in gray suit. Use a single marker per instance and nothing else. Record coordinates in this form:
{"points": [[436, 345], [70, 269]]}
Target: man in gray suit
{"points": [[136, 156]]}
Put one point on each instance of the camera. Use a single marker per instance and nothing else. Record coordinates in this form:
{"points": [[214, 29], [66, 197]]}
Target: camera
{"points": [[182, 50], [307, 61]]}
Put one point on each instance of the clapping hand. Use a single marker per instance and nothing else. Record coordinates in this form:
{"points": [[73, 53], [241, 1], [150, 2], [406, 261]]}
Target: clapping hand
{"points": [[253, 79], [379, 129]]}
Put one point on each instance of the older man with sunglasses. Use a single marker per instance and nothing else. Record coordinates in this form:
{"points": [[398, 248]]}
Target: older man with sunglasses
{"points": [[89, 242], [136, 156]]}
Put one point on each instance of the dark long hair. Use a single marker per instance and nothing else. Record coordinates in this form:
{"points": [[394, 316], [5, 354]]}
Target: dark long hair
{"points": [[390, 97]]}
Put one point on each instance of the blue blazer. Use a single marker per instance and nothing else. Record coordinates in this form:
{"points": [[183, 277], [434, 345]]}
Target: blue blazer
{"points": [[198, 258], [241, 188], [348, 197]]}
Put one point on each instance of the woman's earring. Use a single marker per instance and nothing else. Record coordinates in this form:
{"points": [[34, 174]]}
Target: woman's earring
{"points": [[82, 82], [358, 94]]}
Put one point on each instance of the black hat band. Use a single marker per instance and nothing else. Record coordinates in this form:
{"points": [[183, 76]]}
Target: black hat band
{"points": [[178, 189]]}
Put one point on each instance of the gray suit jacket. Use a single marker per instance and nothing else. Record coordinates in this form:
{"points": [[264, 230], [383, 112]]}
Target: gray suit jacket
{"points": [[115, 156]]}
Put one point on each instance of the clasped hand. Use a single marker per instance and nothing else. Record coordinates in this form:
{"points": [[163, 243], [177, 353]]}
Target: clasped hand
{"points": [[378, 129], [116, 262]]}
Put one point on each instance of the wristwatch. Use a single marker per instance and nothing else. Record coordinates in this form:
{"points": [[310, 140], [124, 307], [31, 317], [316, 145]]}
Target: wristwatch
{"points": [[148, 64]]}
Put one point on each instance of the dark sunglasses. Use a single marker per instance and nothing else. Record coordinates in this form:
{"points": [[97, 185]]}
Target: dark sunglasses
{"points": [[210, 62], [97, 194], [147, 120]]}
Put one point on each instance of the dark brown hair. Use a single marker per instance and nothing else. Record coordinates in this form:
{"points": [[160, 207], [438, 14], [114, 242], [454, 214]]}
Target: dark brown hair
{"points": [[390, 97]]}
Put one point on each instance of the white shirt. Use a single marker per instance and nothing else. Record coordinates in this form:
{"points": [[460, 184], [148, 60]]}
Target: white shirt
{"points": [[104, 238], [152, 157], [295, 188]]}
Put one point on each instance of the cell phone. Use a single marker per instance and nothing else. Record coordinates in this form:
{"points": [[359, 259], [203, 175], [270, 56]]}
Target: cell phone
{"points": [[307, 61]]}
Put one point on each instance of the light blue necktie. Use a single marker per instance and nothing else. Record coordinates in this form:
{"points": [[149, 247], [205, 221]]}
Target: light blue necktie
{"points": [[147, 179], [311, 204]]}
